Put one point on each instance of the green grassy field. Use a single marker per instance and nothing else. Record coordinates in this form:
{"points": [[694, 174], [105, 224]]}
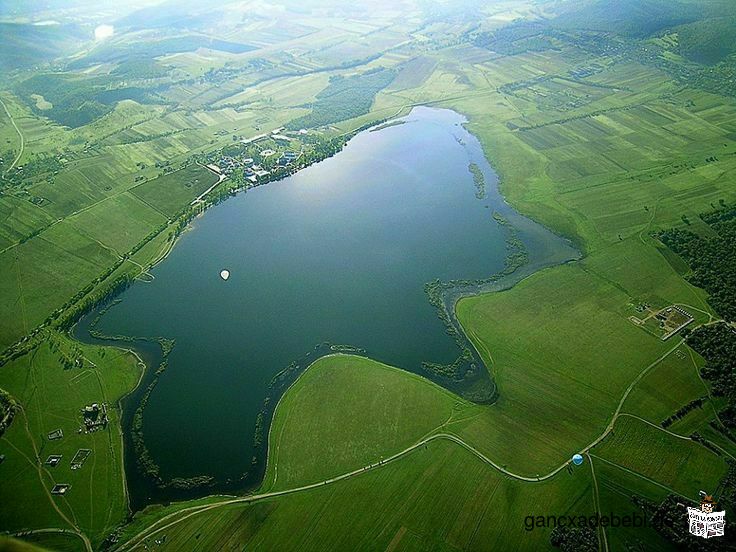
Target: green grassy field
{"points": [[438, 496], [678, 464], [39, 542], [526, 336], [669, 385], [308, 444], [32, 287], [52, 390], [616, 487], [167, 194]]}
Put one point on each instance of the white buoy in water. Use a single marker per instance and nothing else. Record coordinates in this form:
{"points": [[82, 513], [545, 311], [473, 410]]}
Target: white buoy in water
{"points": [[224, 274]]}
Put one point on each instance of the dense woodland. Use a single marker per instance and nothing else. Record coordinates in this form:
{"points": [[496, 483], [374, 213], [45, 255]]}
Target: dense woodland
{"points": [[709, 41], [573, 539], [345, 98], [7, 410], [717, 344], [711, 258], [79, 100], [514, 39]]}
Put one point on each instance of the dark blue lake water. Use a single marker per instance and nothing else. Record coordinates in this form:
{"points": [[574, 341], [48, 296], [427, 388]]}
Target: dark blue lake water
{"points": [[339, 253]]}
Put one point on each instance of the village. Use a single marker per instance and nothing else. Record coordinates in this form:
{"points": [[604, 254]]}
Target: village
{"points": [[259, 155]]}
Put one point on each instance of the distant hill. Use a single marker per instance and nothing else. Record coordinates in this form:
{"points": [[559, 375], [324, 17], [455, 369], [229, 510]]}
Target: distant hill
{"points": [[26, 45], [708, 41], [644, 18], [18, 8], [149, 49], [173, 14], [632, 18], [64, 8]]}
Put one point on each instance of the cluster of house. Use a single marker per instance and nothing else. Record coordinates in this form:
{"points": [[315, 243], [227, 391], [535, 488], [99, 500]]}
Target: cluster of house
{"points": [[287, 158], [583, 72], [672, 320], [252, 171], [226, 165]]}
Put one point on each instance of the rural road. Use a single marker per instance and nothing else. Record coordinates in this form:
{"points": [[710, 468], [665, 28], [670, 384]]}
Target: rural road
{"points": [[181, 515], [133, 542], [20, 134]]}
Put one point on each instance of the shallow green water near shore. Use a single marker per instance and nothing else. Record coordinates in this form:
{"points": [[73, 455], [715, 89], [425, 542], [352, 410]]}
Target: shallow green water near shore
{"points": [[338, 253]]}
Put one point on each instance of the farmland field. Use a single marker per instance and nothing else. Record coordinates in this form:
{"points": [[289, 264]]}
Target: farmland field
{"points": [[612, 123]]}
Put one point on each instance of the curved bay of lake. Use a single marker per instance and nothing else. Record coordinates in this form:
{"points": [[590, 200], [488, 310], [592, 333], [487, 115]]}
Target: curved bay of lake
{"points": [[338, 253]]}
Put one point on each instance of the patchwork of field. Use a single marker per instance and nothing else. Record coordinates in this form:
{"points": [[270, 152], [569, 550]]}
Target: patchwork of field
{"points": [[659, 150], [601, 148], [32, 288], [38, 275]]}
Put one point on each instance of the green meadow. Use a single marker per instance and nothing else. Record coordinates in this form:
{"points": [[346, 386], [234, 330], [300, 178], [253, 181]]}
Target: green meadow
{"points": [[438, 495], [438, 499], [53, 383], [604, 129], [399, 408]]}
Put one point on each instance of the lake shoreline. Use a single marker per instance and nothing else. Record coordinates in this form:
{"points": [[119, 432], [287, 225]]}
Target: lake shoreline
{"points": [[450, 299]]}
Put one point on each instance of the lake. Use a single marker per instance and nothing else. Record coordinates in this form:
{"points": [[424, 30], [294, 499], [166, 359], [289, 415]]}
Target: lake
{"points": [[338, 253]]}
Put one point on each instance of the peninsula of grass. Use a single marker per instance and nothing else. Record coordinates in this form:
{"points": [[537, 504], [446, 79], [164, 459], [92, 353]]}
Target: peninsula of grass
{"points": [[311, 438]]}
